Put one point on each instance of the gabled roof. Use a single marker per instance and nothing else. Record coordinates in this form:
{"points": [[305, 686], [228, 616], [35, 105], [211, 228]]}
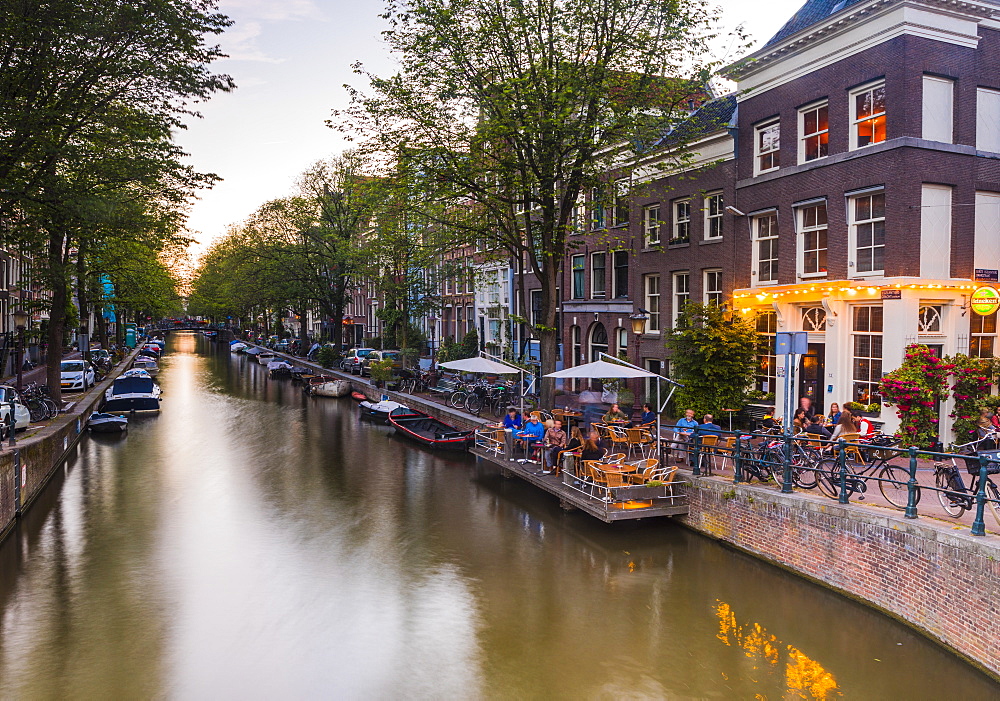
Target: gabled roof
{"points": [[813, 12], [711, 117]]}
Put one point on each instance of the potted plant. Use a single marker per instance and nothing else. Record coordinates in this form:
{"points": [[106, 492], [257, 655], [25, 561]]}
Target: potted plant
{"points": [[859, 409], [381, 371]]}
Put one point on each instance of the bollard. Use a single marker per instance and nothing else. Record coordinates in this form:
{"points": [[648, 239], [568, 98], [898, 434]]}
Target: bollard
{"points": [[842, 471], [979, 525], [11, 423], [911, 486], [696, 467], [738, 461], [786, 473]]}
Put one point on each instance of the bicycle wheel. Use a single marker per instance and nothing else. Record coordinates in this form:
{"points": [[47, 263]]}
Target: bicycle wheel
{"points": [[474, 404], [993, 492], [893, 483], [36, 410], [953, 503], [828, 478], [457, 399], [51, 408], [804, 476]]}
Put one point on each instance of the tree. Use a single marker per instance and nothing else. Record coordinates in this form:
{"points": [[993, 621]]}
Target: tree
{"points": [[511, 110], [713, 354]]}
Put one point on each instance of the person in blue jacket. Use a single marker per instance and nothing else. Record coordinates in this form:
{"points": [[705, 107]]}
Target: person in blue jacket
{"points": [[513, 419], [533, 432]]}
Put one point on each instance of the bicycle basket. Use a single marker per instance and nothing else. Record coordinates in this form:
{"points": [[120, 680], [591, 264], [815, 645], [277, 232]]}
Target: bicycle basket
{"points": [[992, 459]]}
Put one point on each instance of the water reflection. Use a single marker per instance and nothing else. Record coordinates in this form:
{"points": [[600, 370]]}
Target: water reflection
{"points": [[805, 678], [253, 542]]}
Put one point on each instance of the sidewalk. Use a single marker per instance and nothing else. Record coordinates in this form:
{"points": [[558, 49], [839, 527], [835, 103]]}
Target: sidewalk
{"points": [[36, 374]]}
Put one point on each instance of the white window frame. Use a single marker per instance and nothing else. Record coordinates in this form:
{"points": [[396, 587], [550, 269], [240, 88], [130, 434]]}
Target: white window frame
{"points": [[772, 235], [712, 286], [599, 287], [681, 225], [804, 230], [651, 299], [856, 122], [773, 154], [651, 225], [988, 120], [816, 134], [982, 330], [581, 259], [680, 286], [853, 225], [621, 202], [714, 209], [874, 374]]}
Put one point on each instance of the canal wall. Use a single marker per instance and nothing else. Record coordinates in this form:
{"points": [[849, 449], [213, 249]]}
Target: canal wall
{"points": [[27, 467], [938, 580]]}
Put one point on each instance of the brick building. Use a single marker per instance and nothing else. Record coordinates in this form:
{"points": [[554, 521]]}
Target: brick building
{"points": [[854, 193]]}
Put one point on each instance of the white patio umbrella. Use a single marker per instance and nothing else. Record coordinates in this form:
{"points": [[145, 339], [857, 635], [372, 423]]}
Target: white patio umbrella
{"points": [[480, 364], [601, 369]]}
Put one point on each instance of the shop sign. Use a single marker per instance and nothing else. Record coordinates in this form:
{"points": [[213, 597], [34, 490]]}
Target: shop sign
{"points": [[985, 300], [892, 294], [985, 275]]}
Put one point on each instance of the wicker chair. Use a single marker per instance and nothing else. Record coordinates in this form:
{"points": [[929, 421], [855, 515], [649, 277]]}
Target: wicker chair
{"points": [[645, 471], [708, 453]]}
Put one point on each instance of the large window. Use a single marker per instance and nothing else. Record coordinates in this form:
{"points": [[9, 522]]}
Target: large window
{"points": [[651, 225], [938, 109], [868, 115], [765, 229], [579, 223], [621, 273], [652, 302], [714, 209], [621, 202], [767, 327], [682, 293], [536, 307], [867, 340], [598, 342], [988, 120], [983, 331], [597, 208], [767, 147], [579, 273], [598, 279], [712, 285], [813, 230], [814, 127], [682, 222], [868, 224]]}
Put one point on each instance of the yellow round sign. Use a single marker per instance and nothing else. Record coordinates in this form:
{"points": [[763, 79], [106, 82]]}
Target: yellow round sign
{"points": [[985, 300]]}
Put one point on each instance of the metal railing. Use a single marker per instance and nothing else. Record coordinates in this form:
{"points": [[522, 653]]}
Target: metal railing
{"points": [[851, 471]]}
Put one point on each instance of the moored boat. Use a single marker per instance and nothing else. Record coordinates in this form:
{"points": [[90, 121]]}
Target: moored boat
{"points": [[107, 423], [329, 387], [379, 411], [133, 391], [358, 397], [428, 431], [279, 368], [266, 356]]}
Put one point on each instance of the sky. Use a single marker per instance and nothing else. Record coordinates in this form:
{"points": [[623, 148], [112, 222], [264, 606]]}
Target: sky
{"points": [[290, 60]]}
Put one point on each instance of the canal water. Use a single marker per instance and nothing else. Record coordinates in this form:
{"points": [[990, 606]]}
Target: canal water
{"points": [[253, 543]]}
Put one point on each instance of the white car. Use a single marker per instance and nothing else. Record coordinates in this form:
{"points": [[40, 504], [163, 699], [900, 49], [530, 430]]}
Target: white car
{"points": [[71, 375], [22, 417]]}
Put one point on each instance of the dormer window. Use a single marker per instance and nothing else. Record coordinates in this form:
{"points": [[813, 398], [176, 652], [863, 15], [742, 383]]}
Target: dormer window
{"points": [[868, 115], [767, 145]]}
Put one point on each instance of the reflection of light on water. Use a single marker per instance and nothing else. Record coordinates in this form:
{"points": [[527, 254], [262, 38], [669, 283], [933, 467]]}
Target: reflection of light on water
{"points": [[806, 678]]}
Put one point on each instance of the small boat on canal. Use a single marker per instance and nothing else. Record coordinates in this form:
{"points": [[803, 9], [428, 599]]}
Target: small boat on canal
{"points": [[428, 431], [379, 411], [325, 386], [107, 423], [133, 391]]}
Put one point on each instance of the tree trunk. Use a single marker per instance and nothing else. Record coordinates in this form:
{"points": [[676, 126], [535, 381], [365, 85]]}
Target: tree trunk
{"points": [[56, 274], [548, 337]]}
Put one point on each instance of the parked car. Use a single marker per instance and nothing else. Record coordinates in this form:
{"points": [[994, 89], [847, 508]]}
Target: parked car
{"points": [[22, 417], [354, 359], [71, 374], [376, 355]]}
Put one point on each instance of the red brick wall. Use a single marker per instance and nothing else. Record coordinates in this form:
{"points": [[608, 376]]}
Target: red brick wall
{"points": [[940, 581]]}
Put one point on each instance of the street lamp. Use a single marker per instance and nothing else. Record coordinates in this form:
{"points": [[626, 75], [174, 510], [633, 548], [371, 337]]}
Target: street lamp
{"points": [[432, 321], [638, 329], [20, 322]]}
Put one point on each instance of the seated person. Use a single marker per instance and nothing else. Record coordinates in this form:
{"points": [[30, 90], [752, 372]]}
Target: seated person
{"points": [[683, 430], [555, 442], [816, 428], [533, 432], [708, 426], [648, 417], [575, 439], [592, 448], [865, 427], [770, 421], [513, 419], [834, 416], [615, 415], [800, 420]]}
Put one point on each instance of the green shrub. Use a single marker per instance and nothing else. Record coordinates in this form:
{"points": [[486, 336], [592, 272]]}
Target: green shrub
{"points": [[327, 356]]}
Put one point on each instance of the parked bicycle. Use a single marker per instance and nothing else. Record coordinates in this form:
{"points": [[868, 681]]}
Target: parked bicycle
{"points": [[871, 461], [955, 498], [38, 403]]}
